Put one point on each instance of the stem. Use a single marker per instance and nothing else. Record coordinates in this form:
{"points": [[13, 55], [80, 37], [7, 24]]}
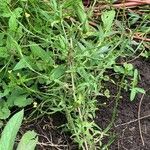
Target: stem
{"points": [[74, 93]]}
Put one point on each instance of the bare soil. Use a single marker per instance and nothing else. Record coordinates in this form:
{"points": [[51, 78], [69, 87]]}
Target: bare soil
{"points": [[128, 134], [127, 126]]}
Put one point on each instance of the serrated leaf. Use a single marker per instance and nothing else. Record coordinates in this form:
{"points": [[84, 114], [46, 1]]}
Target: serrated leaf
{"points": [[80, 11], [28, 141], [10, 131]]}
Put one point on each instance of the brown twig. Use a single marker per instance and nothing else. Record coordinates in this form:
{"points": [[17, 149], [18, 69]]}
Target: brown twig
{"points": [[129, 4], [141, 38], [132, 121], [139, 1], [139, 121], [125, 4]]}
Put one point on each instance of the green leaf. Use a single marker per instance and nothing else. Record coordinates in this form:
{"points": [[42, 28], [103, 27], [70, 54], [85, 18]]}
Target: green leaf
{"points": [[140, 90], [4, 110], [28, 141], [134, 91], [1, 39], [17, 12], [10, 131], [22, 101], [107, 93], [23, 63], [128, 67], [107, 19], [119, 69], [3, 52], [135, 78], [13, 23], [80, 11], [133, 94], [57, 72], [38, 52], [18, 98]]}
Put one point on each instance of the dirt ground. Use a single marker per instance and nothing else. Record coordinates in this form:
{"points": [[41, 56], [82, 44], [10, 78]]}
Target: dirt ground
{"points": [[127, 126], [129, 136]]}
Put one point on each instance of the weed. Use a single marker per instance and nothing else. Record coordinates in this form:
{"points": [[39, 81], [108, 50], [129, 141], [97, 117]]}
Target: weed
{"points": [[51, 57]]}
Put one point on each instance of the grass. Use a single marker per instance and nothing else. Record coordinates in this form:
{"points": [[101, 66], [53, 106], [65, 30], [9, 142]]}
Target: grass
{"points": [[53, 58]]}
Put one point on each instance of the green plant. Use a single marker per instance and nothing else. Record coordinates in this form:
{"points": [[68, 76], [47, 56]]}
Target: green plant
{"points": [[52, 57], [55, 59], [28, 140], [128, 70]]}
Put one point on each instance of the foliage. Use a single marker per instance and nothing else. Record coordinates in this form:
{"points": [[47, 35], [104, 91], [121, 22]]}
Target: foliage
{"points": [[51, 56], [28, 141]]}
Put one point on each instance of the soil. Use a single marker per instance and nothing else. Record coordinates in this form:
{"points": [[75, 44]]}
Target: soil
{"points": [[50, 134], [129, 136], [126, 127]]}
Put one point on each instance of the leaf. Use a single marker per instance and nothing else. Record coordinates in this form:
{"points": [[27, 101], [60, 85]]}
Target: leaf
{"points": [[1, 39], [57, 72], [4, 110], [18, 98], [107, 93], [3, 52], [10, 131], [22, 101], [80, 11], [28, 141], [140, 90], [17, 12], [133, 94], [128, 67], [23, 63], [135, 78], [13, 23], [134, 91], [119, 69], [38, 52], [107, 19]]}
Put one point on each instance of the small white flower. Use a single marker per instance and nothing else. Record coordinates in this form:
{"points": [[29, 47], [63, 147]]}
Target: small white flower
{"points": [[27, 15], [34, 104]]}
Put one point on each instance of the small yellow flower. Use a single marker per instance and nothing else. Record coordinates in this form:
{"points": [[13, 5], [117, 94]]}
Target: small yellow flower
{"points": [[27, 15]]}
